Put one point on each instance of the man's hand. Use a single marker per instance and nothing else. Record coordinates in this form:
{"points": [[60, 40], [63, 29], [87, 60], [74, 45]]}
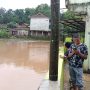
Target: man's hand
{"points": [[63, 57], [80, 54], [76, 52], [70, 54]]}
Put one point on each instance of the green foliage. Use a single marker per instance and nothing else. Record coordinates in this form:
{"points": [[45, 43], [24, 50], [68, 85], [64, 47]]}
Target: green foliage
{"points": [[69, 15], [29, 12], [1, 19], [43, 8], [22, 15], [11, 25], [4, 34], [68, 39], [2, 11]]}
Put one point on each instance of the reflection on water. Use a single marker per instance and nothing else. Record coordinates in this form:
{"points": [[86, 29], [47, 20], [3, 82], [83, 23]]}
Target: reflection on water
{"points": [[23, 64]]}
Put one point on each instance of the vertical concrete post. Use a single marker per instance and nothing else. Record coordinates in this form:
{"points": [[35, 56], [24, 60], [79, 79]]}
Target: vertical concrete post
{"points": [[87, 40], [54, 45], [42, 33]]}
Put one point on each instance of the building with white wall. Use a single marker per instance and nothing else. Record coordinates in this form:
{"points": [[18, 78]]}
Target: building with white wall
{"points": [[39, 25]]}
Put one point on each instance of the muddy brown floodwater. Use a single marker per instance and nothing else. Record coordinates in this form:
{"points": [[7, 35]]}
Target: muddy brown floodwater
{"points": [[23, 64]]}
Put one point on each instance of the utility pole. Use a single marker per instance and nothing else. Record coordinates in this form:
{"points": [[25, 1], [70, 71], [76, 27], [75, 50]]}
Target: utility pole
{"points": [[54, 44]]}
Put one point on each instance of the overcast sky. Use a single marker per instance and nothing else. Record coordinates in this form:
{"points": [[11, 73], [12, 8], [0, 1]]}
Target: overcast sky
{"points": [[21, 4]]}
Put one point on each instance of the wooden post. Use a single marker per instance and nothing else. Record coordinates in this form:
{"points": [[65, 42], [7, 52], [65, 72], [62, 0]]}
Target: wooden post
{"points": [[54, 45]]}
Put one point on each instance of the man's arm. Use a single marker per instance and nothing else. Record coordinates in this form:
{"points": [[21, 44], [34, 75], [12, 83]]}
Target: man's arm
{"points": [[70, 54], [82, 55]]}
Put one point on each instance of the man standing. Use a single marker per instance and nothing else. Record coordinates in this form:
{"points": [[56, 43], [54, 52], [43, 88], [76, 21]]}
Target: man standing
{"points": [[76, 56]]}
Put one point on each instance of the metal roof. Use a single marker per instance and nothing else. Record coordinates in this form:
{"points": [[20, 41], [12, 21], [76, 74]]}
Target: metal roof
{"points": [[77, 24]]}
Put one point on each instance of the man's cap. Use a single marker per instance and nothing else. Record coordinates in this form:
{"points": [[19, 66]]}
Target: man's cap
{"points": [[76, 35]]}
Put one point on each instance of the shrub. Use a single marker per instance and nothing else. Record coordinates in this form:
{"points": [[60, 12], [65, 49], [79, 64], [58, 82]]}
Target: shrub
{"points": [[4, 34], [11, 25]]}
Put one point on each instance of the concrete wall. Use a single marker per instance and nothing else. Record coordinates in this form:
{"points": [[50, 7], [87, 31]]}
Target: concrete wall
{"points": [[22, 32], [78, 8], [78, 1], [87, 39]]}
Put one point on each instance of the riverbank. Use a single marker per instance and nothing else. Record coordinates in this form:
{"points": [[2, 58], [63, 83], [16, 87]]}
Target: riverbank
{"points": [[26, 38]]}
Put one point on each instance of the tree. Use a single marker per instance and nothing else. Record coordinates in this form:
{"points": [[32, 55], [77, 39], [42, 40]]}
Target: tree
{"points": [[2, 12], [29, 12], [43, 8], [1, 19], [20, 15], [65, 29], [8, 16], [12, 25], [67, 16]]}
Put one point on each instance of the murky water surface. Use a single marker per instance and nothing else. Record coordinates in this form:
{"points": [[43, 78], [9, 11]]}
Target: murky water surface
{"points": [[23, 64]]}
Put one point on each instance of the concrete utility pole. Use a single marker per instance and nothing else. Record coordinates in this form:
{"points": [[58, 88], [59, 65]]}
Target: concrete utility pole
{"points": [[54, 45]]}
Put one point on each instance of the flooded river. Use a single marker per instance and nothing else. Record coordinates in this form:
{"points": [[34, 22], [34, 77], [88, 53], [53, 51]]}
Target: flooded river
{"points": [[23, 64]]}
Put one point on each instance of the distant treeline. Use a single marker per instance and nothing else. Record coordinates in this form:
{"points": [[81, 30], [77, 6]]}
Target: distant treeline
{"points": [[22, 15]]}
